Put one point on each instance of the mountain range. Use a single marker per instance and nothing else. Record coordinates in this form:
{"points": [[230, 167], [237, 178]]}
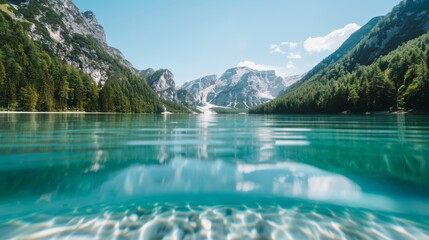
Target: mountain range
{"points": [[79, 41], [238, 88], [55, 58]]}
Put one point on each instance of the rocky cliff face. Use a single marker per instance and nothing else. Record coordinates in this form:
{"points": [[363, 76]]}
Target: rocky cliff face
{"points": [[75, 37], [201, 91], [92, 24], [162, 82], [240, 88]]}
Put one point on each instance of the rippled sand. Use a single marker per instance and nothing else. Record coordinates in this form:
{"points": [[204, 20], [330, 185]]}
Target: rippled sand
{"points": [[187, 221]]}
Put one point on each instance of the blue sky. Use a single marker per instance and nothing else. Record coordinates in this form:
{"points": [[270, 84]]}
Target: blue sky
{"points": [[195, 38]]}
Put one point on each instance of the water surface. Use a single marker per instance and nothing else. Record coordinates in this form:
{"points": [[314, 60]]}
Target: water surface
{"points": [[214, 176]]}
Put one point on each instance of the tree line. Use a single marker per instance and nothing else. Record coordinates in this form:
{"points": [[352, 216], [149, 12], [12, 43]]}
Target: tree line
{"points": [[396, 81]]}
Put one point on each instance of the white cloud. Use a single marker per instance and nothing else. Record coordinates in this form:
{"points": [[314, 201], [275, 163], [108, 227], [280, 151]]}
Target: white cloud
{"points": [[292, 45], [280, 71], [259, 67], [332, 41], [278, 48], [290, 65], [294, 56]]}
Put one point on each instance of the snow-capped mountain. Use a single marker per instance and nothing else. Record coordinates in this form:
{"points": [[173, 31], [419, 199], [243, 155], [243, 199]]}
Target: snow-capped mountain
{"points": [[240, 88]]}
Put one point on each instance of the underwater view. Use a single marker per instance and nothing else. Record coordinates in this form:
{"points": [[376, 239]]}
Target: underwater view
{"points": [[206, 176]]}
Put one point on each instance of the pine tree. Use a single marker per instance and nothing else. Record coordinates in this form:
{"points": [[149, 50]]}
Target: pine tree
{"points": [[2, 75], [62, 93], [46, 90], [14, 71], [353, 98], [28, 98]]}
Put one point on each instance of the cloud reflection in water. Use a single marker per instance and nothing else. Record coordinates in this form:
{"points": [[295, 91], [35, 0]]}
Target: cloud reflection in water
{"points": [[215, 177]]}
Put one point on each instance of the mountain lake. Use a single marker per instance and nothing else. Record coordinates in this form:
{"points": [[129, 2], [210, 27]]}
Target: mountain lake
{"points": [[214, 176]]}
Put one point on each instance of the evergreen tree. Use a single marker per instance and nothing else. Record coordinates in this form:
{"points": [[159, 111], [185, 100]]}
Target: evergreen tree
{"points": [[2, 75], [28, 98]]}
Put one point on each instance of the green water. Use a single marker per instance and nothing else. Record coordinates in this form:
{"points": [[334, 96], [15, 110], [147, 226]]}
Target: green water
{"points": [[214, 176]]}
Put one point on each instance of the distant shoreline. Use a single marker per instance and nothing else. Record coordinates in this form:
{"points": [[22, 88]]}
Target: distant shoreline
{"points": [[21, 112], [168, 113]]}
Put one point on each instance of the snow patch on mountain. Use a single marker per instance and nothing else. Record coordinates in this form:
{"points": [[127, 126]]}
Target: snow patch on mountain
{"points": [[266, 95], [205, 93], [239, 88]]}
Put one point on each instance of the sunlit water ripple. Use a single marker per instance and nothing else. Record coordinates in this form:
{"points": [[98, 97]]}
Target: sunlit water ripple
{"points": [[213, 176]]}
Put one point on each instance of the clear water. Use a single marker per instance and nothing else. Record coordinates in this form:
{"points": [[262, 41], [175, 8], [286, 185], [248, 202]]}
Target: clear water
{"points": [[80, 176]]}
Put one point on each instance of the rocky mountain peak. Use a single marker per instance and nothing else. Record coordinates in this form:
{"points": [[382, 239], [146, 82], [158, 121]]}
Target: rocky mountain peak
{"points": [[201, 83], [146, 73], [75, 37], [76, 22], [95, 26], [239, 87], [234, 74], [162, 82], [90, 15]]}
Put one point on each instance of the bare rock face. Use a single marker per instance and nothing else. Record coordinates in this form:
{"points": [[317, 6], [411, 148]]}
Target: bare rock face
{"points": [[73, 36], [201, 91], [240, 88], [162, 82], [94, 26]]}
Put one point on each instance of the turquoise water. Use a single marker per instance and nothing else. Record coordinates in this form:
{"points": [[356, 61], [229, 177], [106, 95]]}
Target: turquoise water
{"points": [[214, 177]]}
